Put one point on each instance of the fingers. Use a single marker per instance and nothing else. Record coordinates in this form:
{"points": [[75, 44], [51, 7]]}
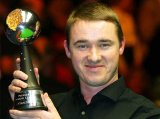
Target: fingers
{"points": [[16, 85], [14, 88], [24, 114], [14, 116], [18, 60], [20, 75]]}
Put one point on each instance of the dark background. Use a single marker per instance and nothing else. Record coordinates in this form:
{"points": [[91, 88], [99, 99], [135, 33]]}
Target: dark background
{"points": [[139, 65]]}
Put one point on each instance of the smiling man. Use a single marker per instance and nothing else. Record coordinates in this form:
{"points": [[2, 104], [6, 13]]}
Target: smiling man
{"points": [[94, 50], [94, 42]]}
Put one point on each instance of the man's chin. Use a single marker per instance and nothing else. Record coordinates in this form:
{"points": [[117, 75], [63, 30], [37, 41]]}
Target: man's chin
{"points": [[95, 82]]}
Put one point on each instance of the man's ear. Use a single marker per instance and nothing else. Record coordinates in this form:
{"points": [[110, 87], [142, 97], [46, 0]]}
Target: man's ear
{"points": [[122, 46], [67, 49]]}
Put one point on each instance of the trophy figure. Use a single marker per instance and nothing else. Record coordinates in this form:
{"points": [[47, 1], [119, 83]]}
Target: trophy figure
{"points": [[23, 27]]}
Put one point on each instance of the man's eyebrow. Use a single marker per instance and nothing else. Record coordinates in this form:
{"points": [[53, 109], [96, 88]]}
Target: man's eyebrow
{"points": [[106, 40], [100, 41], [80, 41]]}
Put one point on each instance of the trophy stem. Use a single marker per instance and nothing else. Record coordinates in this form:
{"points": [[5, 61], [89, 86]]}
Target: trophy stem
{"points": [[27, 67], [30, 97]]}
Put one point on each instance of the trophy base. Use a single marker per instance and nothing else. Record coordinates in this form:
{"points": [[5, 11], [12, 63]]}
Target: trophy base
{"points": [[29, 99]]}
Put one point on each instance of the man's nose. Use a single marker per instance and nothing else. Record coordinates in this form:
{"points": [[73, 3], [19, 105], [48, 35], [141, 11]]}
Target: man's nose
{"points": [[94, 55]]}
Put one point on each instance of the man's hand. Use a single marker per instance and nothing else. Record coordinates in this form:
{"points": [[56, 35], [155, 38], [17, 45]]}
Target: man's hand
{"points": [[17, 83], [52, 112]]}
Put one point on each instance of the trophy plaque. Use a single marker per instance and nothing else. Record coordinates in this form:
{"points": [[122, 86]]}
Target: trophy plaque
{"points": [[23, 27]]}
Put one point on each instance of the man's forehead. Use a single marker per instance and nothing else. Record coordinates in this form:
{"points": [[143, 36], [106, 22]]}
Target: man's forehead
{"points": [[93, 26], [93, 32], [81, 21]]}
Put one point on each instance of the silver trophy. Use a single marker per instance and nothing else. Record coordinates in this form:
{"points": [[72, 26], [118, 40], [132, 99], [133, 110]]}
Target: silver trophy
{"points": [[23, 27]]}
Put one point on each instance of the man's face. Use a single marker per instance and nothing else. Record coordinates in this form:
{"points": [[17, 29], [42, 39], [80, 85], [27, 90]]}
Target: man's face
{"points": [[94, 50]]}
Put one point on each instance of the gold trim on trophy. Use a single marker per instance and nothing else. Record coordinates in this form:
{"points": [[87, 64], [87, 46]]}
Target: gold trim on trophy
{"points": [[14, 19]]}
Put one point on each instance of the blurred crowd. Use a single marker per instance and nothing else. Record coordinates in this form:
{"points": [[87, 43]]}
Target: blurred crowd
{"points": [[140, 20]]}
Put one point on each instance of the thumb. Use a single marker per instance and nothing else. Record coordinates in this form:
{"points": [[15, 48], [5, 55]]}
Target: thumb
{"points": [[18, 60], [37, 74], [48, 102]]}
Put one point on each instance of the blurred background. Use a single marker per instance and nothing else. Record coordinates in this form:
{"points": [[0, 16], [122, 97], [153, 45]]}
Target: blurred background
{"points": [[140, 20]]}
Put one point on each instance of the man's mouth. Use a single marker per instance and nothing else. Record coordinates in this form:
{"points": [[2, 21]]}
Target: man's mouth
{"points": [[93, 66]]}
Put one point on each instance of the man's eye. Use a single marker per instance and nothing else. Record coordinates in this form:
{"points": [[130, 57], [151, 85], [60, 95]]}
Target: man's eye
{"points": [[104, 45], [82, 46]]}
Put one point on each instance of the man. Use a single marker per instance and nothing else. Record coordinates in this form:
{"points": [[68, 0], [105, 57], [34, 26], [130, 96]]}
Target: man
{"points": [[94, 43]]}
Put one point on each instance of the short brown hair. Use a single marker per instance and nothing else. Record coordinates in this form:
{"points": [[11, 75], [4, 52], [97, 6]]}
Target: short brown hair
{"points": [[93, 12]]}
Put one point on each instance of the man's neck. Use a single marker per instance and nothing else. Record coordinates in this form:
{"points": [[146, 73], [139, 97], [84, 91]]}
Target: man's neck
{"points": [[89, 91]]}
